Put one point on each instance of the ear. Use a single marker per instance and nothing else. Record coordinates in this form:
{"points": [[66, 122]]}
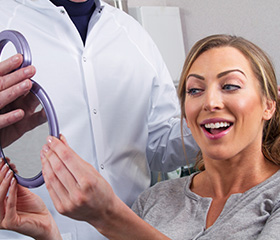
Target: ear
{"points": [[270, 107]]}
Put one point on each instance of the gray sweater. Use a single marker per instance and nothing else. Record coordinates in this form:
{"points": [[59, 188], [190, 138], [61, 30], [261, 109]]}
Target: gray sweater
{"points": [[176, 211]]}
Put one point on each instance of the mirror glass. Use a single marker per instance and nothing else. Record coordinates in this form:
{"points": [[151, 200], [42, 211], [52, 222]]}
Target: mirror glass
{"points": [[22, 142]]}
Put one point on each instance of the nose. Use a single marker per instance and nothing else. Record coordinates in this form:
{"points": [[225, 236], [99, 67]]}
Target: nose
{"points": [[213, 100]]}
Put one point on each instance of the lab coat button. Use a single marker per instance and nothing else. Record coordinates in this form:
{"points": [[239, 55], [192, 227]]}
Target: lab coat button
{"points": [[62, 11], [84, 59], [102, 166], [94, 111]]}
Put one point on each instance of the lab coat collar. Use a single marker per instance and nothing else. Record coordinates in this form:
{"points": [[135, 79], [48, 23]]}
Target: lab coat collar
{"points": [[47, 4], [44, 5]]}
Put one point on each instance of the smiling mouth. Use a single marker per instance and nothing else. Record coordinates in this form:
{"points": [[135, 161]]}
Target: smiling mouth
{"points": [[218, 127]]}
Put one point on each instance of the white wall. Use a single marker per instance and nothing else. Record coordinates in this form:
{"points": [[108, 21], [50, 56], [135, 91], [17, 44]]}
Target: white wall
{"points": [[256, 20]]}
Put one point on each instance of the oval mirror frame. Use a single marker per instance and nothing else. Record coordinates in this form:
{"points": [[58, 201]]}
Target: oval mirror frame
{"points": [[22, 47]]}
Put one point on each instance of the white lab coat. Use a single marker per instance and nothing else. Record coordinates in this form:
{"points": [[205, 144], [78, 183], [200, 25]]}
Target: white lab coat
{"points": [[114, 98]]}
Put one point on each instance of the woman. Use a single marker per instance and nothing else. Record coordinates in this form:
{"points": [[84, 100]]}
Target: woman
{"points": [[229, 98], [228, 94]]}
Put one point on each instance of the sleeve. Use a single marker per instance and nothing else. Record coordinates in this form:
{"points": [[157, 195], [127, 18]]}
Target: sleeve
{"points": [[165, 149], [271, 230]]}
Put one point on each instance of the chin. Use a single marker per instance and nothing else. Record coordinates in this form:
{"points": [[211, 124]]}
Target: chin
{"points": [[217, 155]]}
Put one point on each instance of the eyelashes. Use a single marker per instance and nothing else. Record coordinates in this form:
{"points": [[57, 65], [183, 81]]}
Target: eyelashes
{"points": [[194, 91], [231, 87], [226, 88]]}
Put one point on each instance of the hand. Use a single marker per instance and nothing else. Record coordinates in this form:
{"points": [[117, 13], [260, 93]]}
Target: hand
{"points": [[23, 211], [13, 84], [80, 192], [76, 188]]}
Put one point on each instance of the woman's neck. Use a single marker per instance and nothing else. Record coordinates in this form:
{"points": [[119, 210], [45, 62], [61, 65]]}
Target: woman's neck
{"points": [[230, 177], [226, 177]]}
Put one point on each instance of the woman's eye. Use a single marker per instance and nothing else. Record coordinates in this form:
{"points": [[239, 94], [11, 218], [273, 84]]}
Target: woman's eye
{"points": [[194, 91], [231, 87]]}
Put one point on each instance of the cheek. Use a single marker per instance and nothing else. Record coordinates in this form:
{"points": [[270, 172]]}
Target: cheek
{"points": [[191, 113], [248, 106], [242, 105]]}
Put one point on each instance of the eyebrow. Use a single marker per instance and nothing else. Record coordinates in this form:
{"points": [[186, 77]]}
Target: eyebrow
{"points": [[229, 71], [196, 76], [218, 76]]}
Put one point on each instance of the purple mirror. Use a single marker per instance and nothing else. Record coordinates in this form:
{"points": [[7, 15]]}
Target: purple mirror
{"points": [[20, 143]]}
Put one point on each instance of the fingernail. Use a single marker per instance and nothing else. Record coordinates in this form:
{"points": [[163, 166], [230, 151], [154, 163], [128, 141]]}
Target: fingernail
{"points": [[46, 148], [23, 85], [4, 167], [13, 181], [18, 114], [15, 58], [28, 70], [49, 139], [1, 161], [8, 174]]}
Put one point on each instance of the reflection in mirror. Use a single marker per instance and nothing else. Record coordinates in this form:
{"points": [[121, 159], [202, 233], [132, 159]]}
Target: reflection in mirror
{"points": [[21, 142]]}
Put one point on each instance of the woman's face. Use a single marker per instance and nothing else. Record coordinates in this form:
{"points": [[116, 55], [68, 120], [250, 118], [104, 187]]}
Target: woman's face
{"points": [[224, 107]]}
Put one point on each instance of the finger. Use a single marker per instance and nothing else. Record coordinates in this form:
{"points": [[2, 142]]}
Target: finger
{"points": [[55, 188], [1, 164], [59, 169], [11, 93], [63, 139], [11, 118], [11, 165], [76, 166], [6, 176], [16, 77], [9, 77], [4, 169], [10, 64], [11, 204]]}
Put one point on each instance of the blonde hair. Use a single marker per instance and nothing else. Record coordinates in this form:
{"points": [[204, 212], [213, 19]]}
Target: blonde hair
{"points": [[264, 72]]}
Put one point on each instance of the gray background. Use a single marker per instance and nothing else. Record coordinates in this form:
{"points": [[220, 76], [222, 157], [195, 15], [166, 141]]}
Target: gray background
{"points": [[256, 20]]}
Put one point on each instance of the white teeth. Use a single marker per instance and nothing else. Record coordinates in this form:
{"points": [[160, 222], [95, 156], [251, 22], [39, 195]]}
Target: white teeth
{"points": [[217, 125]]}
